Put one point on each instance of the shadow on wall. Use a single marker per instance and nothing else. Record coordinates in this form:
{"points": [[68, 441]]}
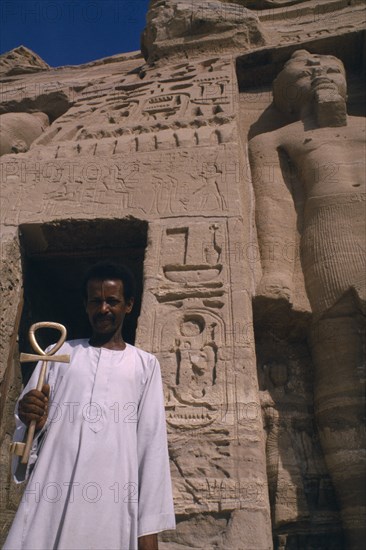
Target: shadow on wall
{"points": [[304, 509]]}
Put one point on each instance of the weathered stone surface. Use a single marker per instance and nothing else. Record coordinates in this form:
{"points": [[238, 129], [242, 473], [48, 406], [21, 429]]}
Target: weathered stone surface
{"points": [[176, 27], [185, 28], [243, 225], [263, 4], [21, 60]]}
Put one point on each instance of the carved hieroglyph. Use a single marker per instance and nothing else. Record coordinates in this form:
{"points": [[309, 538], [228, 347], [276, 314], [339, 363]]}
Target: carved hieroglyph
{"points": [[211, 411], [111, 140]]}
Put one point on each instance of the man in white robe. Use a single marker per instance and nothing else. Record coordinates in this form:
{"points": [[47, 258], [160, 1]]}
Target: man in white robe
{"points": [[99, 469]]}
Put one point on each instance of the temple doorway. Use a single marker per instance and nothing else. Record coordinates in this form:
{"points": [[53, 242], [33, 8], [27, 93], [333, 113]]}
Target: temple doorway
{"points": [[55, 257]]}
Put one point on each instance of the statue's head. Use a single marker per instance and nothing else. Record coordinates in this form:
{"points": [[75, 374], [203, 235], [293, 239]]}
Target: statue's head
{"points": [[307, 80]]}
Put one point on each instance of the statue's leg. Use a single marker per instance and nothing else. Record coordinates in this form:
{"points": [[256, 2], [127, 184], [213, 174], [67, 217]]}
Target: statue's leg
{"points": [[338, 353]]}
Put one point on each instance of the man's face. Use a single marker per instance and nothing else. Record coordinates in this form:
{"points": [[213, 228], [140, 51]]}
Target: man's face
{"points": [[106, 306]]}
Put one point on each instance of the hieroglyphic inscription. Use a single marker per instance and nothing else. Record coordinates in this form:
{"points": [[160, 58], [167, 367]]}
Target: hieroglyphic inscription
{"points": [[152, 100], [192, 336], [187, 184]]}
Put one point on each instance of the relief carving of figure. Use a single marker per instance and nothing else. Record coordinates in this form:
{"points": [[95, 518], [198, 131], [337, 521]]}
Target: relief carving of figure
{"points": [[308, 177], [286, 490]]}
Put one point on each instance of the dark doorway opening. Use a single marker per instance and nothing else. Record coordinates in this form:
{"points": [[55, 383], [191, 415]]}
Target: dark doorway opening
{"points": [[55, 257]]}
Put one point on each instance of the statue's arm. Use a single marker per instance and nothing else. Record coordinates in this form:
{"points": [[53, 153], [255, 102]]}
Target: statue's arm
{"points": [[275, 214]]}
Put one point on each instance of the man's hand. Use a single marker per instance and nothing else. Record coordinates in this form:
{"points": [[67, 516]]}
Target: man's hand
{"points": [[148, 542], [34, 406]]}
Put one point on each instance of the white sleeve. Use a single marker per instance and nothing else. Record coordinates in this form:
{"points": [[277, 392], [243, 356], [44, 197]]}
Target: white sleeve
{"points": [[156, 510], [21, 471]]}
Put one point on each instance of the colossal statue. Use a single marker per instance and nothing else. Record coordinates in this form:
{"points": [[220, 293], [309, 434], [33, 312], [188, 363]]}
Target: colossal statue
{"points": [[19, 130], [308, 178]]}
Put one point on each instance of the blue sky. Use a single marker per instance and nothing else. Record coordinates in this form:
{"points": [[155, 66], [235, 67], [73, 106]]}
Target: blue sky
{"points": [[70, 32]]}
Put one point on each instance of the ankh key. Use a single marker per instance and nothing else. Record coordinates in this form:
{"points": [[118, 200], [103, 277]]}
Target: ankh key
{"points": [[23, 449]]}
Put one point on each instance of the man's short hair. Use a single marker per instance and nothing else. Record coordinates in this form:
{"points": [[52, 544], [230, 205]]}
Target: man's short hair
{"points": [[109, 270]]}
